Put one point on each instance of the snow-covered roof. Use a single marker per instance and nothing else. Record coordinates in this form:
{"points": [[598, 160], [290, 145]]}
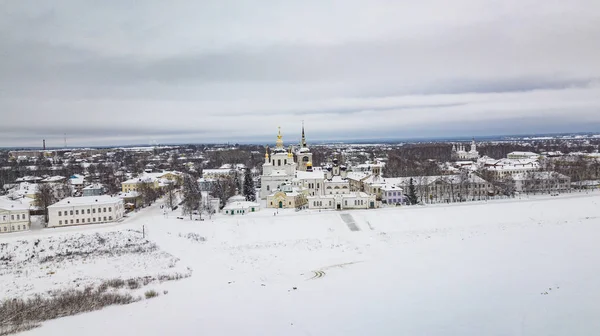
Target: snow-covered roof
{"points": [[313, 175], [391, 187], [56, 178], [337, 179], [94, 186], [6, 204], [236, 198], [225, 171], [357, 176], [28, 179], [241, 205], [77, 179], [86, 200], [524, 154]]}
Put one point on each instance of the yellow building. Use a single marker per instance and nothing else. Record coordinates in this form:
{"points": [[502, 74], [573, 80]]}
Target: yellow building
{"points": [[156, 180]]}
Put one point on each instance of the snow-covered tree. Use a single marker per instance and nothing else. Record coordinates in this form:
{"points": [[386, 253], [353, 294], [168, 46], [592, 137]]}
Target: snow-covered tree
{"points": [[412, 194], [248, 190], [191, 195]]}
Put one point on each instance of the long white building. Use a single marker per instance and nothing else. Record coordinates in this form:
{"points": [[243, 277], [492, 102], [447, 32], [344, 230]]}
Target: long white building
{"points": [[85, 210], [14, 216]]}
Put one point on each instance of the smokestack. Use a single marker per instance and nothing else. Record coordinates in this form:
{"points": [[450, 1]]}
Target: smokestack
{"points": [[44, 146]]}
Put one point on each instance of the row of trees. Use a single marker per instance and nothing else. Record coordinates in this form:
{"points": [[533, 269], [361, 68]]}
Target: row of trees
{"points": [[222, 188]]}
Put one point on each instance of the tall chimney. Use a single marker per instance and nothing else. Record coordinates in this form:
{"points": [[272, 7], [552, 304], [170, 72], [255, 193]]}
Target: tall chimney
{"points": [[44, 146]]}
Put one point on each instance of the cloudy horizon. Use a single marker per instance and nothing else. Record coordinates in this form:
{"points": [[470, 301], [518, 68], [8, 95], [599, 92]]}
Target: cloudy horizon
{"points": [[115, 73]]}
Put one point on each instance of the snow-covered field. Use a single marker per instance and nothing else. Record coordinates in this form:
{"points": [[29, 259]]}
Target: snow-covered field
{"points": [[519, 267], [45, 265]]}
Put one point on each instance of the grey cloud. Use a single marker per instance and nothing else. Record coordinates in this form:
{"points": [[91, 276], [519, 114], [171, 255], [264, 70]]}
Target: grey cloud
{"points": [[197, 70]]}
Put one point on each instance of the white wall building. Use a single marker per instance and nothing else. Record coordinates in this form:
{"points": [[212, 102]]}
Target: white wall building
{"points": [[85, 210], [14, 216], [237, 205]]}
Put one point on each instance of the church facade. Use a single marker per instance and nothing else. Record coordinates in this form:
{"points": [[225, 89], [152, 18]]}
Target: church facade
{"points": [[459, 152]]}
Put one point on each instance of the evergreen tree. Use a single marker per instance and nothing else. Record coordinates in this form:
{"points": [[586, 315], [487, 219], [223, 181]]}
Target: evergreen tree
{"points": [[412, 194], [248, 191]]}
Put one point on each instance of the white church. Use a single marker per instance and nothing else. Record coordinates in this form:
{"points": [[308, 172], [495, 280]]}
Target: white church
{"points": [[459, 152], [289, 180]]}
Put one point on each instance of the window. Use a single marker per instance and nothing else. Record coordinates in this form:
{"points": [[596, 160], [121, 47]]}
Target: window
{"points": [[88, 211], [77, 212], [5, 229], [109, 209], [93, 210], [71, 221], [59, 222], [89, 220], [109, 217], [71, 212], [105, 218], [104, 210], [77, 221], [12, 217], [19, 227], [60, 213], [94, 219]]}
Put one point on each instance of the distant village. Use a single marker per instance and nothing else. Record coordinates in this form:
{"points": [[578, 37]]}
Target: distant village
{"points": [[80, 186]]}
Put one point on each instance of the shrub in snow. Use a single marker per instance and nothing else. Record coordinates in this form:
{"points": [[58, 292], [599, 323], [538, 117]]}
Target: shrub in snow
{"points": [[150, 294], [18, 315]]}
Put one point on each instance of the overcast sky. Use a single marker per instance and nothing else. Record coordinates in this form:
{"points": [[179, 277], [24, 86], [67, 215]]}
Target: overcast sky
{"points": [[134, 72]]}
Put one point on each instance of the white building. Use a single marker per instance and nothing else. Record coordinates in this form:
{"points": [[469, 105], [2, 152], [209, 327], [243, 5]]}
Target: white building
{"points": [[509, 167], [237, 205], [14, 216], [460, 153], [85, 210], [542, 182], [311, 181], [352, 200], [279, 168]]}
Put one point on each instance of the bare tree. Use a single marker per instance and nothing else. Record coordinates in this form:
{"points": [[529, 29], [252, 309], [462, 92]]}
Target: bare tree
{"points": [[44, 197], [191, 195], [223, 189], [170, 196], [148, 193]]}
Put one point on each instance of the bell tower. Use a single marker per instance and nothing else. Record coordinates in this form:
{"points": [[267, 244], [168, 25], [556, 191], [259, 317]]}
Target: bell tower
{"points": [[303, 155]]}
